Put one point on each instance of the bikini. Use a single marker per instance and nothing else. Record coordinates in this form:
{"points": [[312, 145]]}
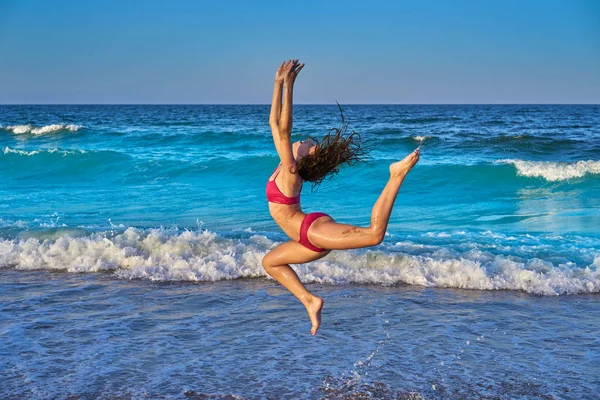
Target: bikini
{"points": [[274, 195]]}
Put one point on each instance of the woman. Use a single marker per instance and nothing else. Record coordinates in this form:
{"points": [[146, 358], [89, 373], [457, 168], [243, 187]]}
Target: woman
{"points": [[314, 235]]}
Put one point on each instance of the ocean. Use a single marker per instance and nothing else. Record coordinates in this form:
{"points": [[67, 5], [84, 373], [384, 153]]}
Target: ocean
{"points": [[131, 239]]}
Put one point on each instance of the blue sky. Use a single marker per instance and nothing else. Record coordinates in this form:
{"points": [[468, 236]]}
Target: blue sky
{"points": [[372, 51]]}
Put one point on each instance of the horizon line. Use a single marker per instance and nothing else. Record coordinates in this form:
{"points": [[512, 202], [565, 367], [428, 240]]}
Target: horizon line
{"points": [[299, 104]]}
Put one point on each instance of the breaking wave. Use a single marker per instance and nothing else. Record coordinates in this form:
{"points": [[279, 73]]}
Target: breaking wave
{"points": [[41, 130], [420, 139], [554, 171], [174, 255]]}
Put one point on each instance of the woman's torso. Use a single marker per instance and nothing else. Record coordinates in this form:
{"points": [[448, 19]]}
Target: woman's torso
{"points": [[288, 216]]}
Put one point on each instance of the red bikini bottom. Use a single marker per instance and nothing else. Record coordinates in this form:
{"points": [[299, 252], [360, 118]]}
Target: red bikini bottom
{"points": [[306, 223]]}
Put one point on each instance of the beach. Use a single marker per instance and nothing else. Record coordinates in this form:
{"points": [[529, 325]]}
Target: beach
{"points": [[92, 336]]}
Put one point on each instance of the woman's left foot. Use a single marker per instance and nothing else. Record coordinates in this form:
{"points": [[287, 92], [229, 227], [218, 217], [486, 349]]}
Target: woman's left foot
{"points": [[314, 312], [401, 168]]}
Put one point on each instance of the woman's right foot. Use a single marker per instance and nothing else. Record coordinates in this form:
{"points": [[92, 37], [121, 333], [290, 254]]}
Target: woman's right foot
{"points": [[401, 168], [314, 308]]}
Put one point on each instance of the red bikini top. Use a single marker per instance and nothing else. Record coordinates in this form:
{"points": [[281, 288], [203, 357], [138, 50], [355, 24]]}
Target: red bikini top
{"points": [[274, 195]]}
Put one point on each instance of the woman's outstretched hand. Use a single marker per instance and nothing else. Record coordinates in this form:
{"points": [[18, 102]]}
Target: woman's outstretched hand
{"points": [[280, 74], [288, 71]]}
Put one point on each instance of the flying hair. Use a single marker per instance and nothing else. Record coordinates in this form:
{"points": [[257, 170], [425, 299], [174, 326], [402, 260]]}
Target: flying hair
{"points": [[336, 149]]}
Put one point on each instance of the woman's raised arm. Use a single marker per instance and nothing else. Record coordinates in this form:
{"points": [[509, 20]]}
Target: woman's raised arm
{"points": [[276, 102], [280, 119]]}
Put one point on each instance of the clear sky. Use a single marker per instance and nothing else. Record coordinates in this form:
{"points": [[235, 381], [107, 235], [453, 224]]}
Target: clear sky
{"points": [[367, 51]]}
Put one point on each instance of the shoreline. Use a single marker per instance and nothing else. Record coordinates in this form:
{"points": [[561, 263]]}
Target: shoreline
{"points": [[82, 328]]}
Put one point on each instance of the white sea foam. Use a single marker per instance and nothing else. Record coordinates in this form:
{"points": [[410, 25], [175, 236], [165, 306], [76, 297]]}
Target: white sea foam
{"points": [[164, 255], [41, 130], [13, 224], [8, 150], [554, 171]]}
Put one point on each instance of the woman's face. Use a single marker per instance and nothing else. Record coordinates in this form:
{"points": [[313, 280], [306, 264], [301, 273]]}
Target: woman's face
{"points": [[303, 148]]}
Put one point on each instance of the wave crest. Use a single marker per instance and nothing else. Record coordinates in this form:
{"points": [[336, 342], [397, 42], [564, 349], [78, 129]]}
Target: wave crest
{"points": [[8, 150], [554, 171], [42, 130], [169, 255]]}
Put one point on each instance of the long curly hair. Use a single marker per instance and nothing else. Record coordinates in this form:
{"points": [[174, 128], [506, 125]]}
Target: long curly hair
{"points": [[335, 149]]}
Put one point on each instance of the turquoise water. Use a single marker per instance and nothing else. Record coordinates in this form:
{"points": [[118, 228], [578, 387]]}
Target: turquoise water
{"points": [[508, 194], [503, 198]]}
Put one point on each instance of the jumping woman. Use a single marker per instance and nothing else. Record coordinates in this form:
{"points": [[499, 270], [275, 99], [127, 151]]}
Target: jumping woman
{"points": [[314, 235]]}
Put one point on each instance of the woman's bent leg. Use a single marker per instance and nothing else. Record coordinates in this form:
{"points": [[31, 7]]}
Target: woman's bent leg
{"points": [[276, 263], [328, 234]]}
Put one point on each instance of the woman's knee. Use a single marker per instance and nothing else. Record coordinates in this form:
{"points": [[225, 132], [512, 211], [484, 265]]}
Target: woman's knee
{"points": [[266, 262]]}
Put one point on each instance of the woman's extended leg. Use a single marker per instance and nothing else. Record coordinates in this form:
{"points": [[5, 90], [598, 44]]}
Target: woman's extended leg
{"points": [[276, 263], [328, 234]]}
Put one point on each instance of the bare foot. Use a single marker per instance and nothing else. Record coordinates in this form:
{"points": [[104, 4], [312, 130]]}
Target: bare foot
{"points": [[401, 168], [314, 308]]}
